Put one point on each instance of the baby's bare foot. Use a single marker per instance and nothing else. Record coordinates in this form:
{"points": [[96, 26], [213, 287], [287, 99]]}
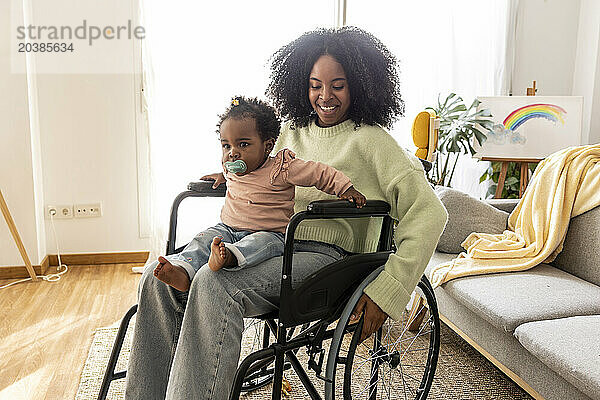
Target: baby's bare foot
{"points": [[172, 275], [220, 256]]}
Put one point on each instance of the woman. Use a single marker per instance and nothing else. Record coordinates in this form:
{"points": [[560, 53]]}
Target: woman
{"points": [[338, 88]]}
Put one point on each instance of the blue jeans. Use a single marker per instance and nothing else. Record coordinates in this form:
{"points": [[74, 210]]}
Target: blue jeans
{"points": [[186, 345], [250, 248]]}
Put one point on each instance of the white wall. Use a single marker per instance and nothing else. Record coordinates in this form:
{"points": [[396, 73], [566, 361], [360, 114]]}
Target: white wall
{"points": [[545, 46], [17, 161], [88, 134], [558, 45], [586, 77], [87, 125], [82, 150]]}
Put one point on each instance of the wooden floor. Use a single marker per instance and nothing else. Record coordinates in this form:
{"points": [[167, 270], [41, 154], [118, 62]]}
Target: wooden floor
{"points": [[46, 328]]}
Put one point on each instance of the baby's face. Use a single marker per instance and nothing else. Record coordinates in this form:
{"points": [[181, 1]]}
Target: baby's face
{"points": [[240, 140]]}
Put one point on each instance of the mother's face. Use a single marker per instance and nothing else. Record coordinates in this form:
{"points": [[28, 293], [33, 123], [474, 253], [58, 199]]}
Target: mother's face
{"points": [[328, 91]]}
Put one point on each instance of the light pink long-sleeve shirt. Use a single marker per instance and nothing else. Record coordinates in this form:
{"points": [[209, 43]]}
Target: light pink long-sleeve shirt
{"points": [[263, 200]]}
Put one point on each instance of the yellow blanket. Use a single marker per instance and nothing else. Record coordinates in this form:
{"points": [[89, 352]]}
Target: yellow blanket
{"points": [[564, 185]]}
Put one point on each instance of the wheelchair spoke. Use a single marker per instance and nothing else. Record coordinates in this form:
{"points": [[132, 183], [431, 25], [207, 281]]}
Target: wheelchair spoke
{"points": [[415, 350], [403, 385], [415, 338], [369, 386], [387, 387]]}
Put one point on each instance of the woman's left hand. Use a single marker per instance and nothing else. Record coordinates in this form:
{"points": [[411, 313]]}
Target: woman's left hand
{"points": [[374, 317], [354, 196]]}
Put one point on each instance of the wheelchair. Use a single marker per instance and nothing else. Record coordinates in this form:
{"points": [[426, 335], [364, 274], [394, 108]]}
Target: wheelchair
{"points": [[396, 362]]}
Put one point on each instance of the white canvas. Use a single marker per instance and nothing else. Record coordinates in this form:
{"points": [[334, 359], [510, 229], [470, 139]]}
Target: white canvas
{"points": [[531, 127]]}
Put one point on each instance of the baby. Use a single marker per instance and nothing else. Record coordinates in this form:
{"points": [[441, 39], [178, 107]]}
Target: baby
{"points": [[259, 199]]}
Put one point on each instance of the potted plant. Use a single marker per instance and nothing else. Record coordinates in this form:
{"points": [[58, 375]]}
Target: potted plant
{"points": [[459, 126], [511, 182]]}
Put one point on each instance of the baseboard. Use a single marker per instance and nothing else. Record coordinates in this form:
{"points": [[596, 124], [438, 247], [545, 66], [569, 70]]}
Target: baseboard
{"points": [[20, 271], [515, 378], [100, 258], [16, 272]]}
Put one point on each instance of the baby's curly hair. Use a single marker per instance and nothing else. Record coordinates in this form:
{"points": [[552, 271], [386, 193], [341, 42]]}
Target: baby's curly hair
{"points": [[268, 123], [371, 69]]}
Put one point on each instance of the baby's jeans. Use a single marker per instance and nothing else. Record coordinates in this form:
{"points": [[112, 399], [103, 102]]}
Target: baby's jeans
{"points": [[250, 248]]}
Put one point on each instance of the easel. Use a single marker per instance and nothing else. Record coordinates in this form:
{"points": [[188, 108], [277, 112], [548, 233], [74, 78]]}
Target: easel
{"points": [[523, 163], [15, 234]]}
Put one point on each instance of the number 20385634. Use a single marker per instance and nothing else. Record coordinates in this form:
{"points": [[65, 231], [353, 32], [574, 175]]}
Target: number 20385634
{"points": [[45, 47]]}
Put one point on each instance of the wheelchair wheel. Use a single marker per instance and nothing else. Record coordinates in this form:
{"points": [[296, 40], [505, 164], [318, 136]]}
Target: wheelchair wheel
{"points": [[398, 361]]}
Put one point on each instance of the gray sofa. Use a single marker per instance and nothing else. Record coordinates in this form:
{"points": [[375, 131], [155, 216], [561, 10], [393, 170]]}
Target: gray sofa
{"points": [[541, 327]]}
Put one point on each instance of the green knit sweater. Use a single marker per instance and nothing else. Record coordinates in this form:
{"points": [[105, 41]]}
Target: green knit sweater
{"points": [[381, 170]]}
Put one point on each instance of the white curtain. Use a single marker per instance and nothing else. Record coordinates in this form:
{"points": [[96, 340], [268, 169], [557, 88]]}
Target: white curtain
{"points": [[461, 46], [197, 55]]}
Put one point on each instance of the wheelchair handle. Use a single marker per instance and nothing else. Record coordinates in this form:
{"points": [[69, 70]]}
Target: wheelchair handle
{"points": [[206, 190]]}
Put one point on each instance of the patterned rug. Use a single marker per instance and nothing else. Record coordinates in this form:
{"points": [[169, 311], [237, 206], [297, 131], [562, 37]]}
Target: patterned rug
{"points": [[462, 373]]}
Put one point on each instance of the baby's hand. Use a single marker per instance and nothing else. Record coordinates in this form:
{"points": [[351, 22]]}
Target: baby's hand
{"points": [[218, 178], [354, 196]]}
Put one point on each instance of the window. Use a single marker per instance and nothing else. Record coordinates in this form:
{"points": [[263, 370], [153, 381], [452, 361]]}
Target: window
{"points": [[203, 53], [199, 55]]}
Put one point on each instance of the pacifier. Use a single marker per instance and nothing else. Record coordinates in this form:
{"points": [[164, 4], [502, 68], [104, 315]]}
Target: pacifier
{"points": [[236, 166]]}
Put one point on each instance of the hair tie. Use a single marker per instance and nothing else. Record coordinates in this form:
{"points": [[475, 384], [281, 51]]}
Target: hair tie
{"points": [[235, 102]]}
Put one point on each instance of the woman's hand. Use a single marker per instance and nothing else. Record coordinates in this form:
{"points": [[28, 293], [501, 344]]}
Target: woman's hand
{"points": [[354, 196], [218, 178], [374, 317]]}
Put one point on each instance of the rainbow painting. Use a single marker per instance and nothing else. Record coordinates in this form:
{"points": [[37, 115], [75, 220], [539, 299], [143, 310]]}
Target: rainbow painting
{"points": [[530, 127], [521, 115]]}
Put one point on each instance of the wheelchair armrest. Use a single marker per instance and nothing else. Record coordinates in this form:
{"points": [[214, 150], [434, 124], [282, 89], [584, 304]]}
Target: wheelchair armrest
{"points": [[344, 208], [205, 188]]}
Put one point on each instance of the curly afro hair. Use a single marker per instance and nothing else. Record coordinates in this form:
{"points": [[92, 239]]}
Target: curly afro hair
{"points": [[268, 123], [371, 70]]}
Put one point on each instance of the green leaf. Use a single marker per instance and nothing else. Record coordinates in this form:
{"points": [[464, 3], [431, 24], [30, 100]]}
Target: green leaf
{"points": [[511, 180], [482, 113], [450, 96], [474, 104], [486, 124], [480, 137], [460, 107]]}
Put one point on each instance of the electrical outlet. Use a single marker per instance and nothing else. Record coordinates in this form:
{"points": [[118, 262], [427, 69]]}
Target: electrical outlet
{"points": [[87, 210], [59, 212]]}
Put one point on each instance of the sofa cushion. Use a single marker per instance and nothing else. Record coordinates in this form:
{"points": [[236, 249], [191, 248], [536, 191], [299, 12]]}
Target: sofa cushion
{"points": [[439, 258], [581, 251], [507, 300], [466, 215], [507, 205], [569, 346]]}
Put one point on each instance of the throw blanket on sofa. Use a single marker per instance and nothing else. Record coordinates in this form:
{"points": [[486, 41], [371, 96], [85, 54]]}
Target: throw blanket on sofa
{"points": [[564, 185]]}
